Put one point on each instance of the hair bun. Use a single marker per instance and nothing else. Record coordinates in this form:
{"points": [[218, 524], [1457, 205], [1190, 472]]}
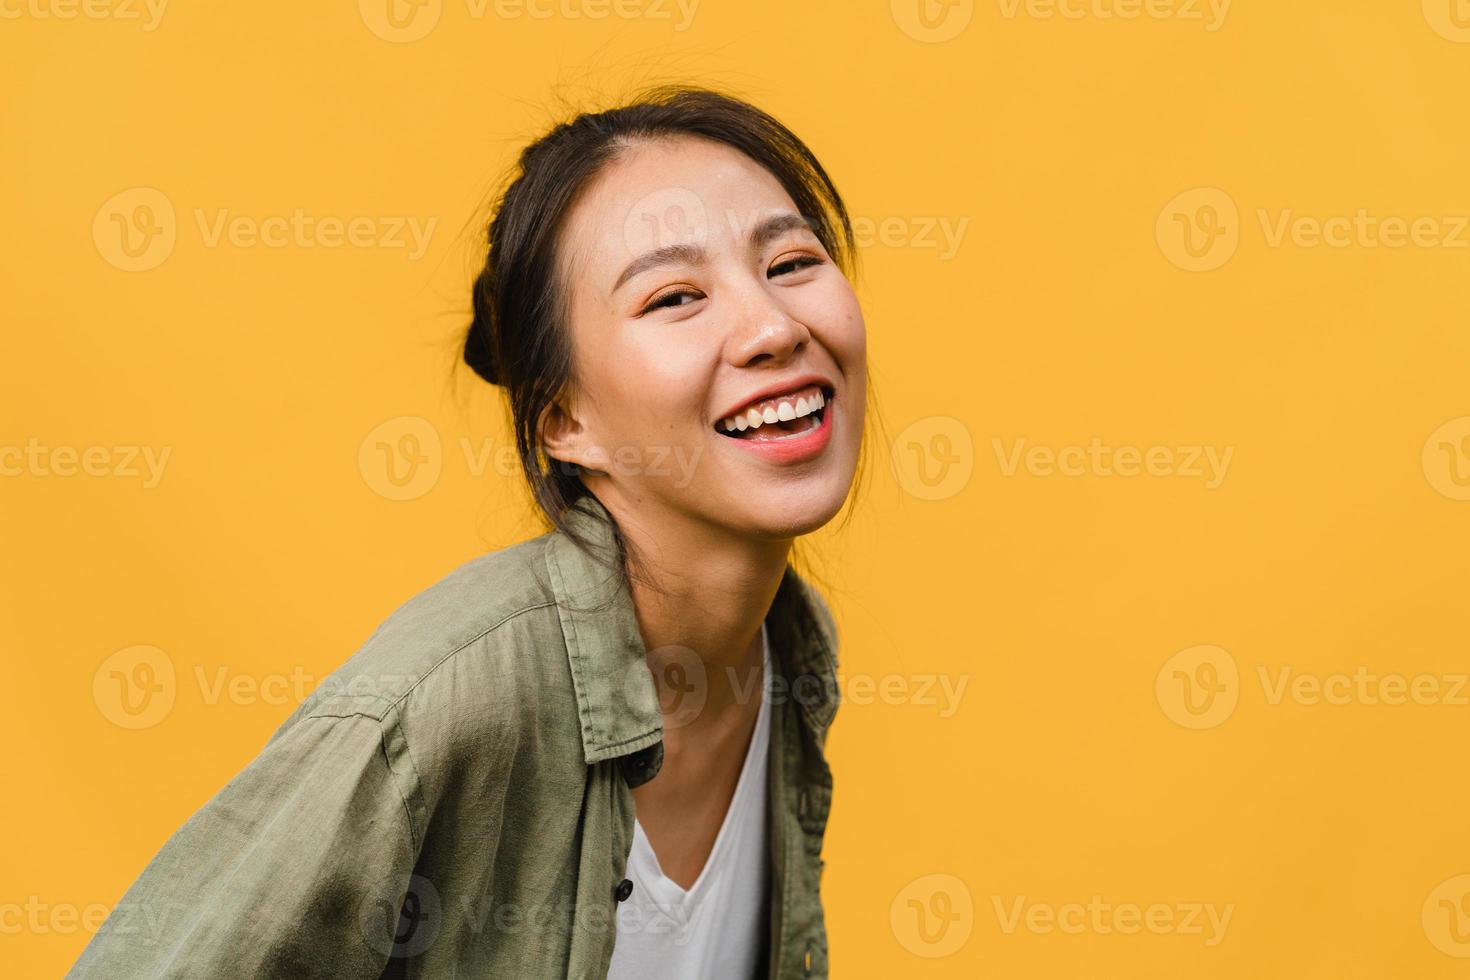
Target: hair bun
{"points": [[482, 341], [479, 350]]}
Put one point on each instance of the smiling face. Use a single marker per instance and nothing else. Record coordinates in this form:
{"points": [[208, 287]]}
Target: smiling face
{"points": [[694, 292]]}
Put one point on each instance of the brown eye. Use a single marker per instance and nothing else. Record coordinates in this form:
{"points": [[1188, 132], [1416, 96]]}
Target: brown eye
{"points": [[670, 300], [796, 262]]}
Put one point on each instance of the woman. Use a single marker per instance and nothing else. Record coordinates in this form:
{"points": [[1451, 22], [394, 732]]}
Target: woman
{"points": [[598, 752]]}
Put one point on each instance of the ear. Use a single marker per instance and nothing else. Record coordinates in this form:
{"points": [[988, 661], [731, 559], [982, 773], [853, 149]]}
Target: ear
{"points": [[563, 436]]}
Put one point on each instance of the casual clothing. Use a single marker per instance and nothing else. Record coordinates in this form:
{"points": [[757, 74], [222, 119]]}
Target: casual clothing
{"points": [[454, 801], [716, 928]]}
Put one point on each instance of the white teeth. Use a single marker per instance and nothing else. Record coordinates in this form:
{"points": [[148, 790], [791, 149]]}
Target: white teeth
{"points": [[783, 411]]}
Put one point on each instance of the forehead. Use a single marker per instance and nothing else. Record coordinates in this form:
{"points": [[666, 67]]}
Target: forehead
{"points": [[662, 191]]}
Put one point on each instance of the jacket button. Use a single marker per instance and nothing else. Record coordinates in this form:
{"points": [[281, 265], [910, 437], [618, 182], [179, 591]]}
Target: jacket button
{"points": [[623, 890], [808, 960], [803, 804]]}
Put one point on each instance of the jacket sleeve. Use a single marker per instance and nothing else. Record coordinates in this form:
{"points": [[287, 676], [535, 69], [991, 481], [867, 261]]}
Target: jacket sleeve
{"points": [[298, 867]]}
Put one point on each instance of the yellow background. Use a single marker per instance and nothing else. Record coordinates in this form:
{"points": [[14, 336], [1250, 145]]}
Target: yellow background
{"points": [[1071, 148]]}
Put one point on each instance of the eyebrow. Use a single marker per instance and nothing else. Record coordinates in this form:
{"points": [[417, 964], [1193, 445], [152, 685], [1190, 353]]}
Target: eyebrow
{"points": [[691, 254]]}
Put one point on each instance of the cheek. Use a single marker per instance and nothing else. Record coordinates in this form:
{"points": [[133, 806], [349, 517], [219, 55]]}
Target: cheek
{"points": [[637, 373], [655, 375], [830, 310]]}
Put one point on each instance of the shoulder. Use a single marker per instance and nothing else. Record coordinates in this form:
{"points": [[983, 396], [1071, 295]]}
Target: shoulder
{"points": [[464, 650], [821, 613], [800, 602]]}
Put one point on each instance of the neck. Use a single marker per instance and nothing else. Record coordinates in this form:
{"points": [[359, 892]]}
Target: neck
{"points": [[709, 591]]}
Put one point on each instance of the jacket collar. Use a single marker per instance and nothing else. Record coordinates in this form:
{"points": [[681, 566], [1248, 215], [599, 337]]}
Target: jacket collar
{"points": [[617, 703]]}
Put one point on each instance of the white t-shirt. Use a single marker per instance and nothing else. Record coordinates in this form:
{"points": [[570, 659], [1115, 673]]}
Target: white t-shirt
{"points": [[716, 928]]}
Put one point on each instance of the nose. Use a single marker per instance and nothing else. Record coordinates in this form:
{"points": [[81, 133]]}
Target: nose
{"points": [[765, 331]]}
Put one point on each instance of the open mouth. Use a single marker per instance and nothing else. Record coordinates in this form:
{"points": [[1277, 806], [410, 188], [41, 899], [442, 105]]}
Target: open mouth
{"points": [[780, 418]]}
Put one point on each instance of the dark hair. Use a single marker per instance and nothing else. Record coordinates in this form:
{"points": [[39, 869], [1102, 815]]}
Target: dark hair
{"points": [[518, 337]]}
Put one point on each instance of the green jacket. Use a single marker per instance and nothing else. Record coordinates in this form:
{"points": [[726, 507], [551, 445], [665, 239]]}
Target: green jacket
{"points": [[454, 800]]}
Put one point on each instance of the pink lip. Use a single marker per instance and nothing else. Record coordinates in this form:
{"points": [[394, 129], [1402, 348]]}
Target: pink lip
{"points": [[793, 449], [784, 388]]}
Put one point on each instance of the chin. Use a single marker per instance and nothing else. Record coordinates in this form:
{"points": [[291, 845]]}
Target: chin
{"points": [[788, 518]]}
